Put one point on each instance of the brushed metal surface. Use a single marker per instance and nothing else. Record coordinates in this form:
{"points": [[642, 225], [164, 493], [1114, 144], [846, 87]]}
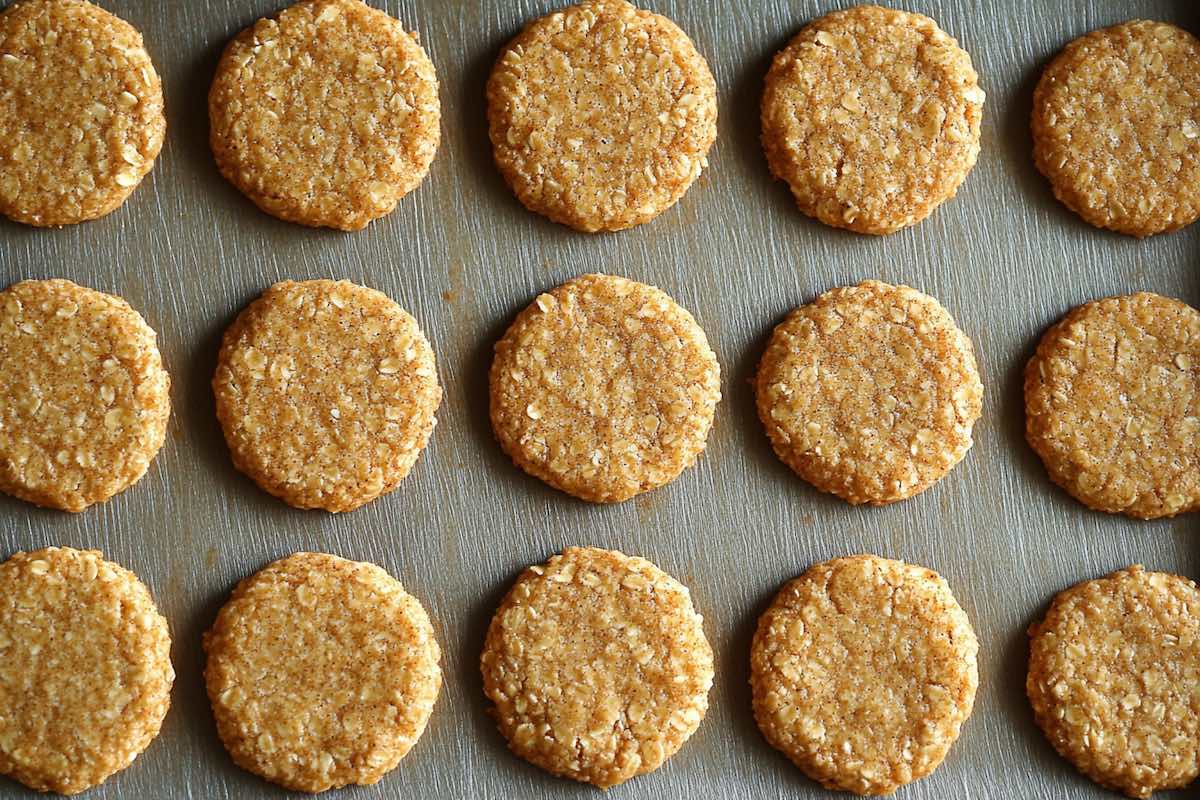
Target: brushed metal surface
{"points": [[463, 256]]}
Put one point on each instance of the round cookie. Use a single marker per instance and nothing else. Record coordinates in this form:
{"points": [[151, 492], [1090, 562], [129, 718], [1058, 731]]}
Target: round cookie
{"points": [[85, 669], [321, 672], [872, 117], [1116, 127], [863, 670], [604, 388], [869, 392], [85, 395], [597, 665], [1112, 405], [1113, 676], [326, 115], [81, 112], [326, 392], [601, 115]]}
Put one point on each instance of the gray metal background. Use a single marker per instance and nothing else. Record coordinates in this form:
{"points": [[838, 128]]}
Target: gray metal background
{"points": [[463, 256]]}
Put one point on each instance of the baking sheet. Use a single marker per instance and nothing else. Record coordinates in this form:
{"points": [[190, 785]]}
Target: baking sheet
{"points": [[463, 256]]}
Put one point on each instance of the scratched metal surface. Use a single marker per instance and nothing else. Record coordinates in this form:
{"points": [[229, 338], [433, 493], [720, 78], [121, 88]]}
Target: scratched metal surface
{"points": [[464, 257]]}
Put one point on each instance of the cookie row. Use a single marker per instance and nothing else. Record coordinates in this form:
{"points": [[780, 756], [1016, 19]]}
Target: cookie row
{"points": [[323, 672], [603, 388], [601, 116]]}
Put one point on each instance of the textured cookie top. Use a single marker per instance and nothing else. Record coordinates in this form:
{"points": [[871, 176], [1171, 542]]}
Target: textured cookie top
{"points": [[322, 672], [604, 388], [870, 392], [1114, 679], [597, 665], [1116, 127], [326, 392], [327, 115], [81, 112], [1112, 405], [601, 115], [863, 670], [85, 669], [872, 117], [85, 394]]}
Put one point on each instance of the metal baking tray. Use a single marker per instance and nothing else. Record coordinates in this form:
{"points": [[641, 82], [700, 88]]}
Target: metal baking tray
{"points": [[463, 256]]}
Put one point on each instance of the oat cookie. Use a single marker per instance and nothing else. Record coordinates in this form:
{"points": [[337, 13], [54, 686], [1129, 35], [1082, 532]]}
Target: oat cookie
{"points": [[1116, 127], [321, 672], [1112, 405], [601, 115], [863, 670], [84, 397], [85, 669], [1114, 679], [326, 115], [604, 388], [326, 392], [597, 665], [81, 112], [872, 117], [870, 392]]}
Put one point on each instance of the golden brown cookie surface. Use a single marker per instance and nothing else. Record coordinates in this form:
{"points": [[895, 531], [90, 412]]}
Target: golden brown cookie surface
{"points": [[1116, 127], [597, 665], [321, 672], [601, 115], [863, 670], [326, 115], [1113, 676], [1112, 405], [604, 388], [869, 392], [81, 112], [85, 669], [85, 393], [326, 392], [872, 116]]}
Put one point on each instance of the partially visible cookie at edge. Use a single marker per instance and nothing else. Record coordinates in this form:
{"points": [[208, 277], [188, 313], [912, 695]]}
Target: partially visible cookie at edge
{"points": [[863, 671], [326, 115], [85, 669], [1112, 405], [321, 672], [872, 116], [604, 388], [81, 112], [870, 392], [1116, 127], [84, 396], [597, 665], [601, 115], [326, 392], [1114, 679]]}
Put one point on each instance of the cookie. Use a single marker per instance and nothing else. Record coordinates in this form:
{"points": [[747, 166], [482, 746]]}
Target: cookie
{"points": [[326, 392], [85, 669], [869, 392], [1114, 671], [1112, 405], [326, 115], [597, 666], [604, 388], [863, 670], [601, 115], [81, 112], [872, 117], [85, 395], [1116, 127], [321, 672]]}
